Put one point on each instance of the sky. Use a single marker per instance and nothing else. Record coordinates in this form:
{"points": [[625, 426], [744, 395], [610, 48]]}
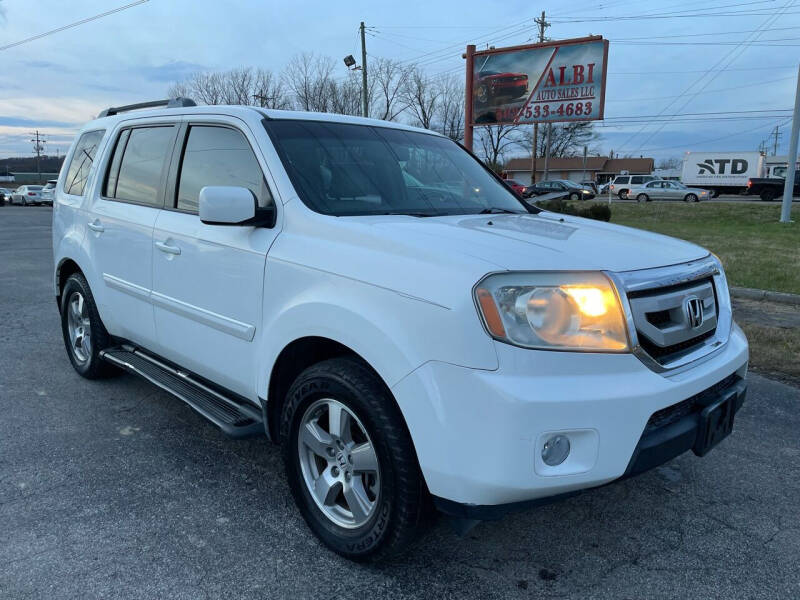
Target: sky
{"points": [[737, 59]]}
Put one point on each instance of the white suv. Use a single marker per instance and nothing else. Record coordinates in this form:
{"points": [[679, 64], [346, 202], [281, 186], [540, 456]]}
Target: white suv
{"points": [[372, 298]]}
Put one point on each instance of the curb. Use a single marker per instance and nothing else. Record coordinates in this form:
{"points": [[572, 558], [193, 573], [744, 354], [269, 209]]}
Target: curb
{"points": [[754, 294]]}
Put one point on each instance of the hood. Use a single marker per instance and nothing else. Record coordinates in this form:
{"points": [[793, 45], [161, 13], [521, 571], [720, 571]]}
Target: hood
{"points": [[543, 241]]}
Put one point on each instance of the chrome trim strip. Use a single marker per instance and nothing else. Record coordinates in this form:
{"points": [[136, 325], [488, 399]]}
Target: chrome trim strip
{"points": [[222, 323], [645, 279], [126, 287]]}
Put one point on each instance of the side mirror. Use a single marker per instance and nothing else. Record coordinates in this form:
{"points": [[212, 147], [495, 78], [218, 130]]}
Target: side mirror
{"points": [[232, 205]]}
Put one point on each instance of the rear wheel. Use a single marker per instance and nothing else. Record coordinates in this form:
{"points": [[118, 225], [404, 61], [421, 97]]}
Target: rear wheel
{"points": [[623, 194], [642, 198], [768, 195], [350, 461], [83, 331]]}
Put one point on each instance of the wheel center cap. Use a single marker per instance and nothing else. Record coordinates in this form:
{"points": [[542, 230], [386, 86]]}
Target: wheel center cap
{"points": [[341, 460]]}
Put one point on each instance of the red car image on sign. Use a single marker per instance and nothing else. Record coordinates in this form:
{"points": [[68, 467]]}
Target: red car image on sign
{"points": [[491, 84]]}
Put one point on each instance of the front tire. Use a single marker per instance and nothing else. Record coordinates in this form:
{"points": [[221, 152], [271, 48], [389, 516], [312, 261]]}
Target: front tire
{"points": [[84, 334], [574, 196], [690, 198], [350, 462]]}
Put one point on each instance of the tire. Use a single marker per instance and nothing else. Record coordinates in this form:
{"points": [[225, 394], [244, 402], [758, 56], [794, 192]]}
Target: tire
{"points": [[395, 491], [642, 198], [84, 354], [623, 194], [690, 198], [574, 196], [768, 195]]}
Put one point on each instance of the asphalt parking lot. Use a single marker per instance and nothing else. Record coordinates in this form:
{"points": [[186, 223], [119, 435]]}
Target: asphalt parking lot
{"points": [[114, 489]]}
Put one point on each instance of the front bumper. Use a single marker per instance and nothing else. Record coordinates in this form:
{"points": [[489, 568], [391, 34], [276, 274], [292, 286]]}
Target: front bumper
{"points": [[479, 434]]}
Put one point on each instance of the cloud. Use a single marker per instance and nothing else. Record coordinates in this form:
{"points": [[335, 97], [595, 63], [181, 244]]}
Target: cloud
{"points": [[171, 71]]}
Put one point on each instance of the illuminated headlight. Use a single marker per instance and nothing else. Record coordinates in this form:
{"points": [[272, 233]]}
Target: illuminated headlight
{"points": [[553, 311]]}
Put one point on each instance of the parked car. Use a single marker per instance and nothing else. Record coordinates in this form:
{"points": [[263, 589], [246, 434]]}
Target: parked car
{"points": [[769, 189], [667, 190], [515, 185], [490, 85], [570, 189], [409, 342], [27, 194], [48, 191], [623, 183], [5, 195], [590, 185]]}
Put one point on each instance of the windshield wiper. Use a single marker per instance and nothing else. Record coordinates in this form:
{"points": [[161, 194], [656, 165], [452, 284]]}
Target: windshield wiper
{"points": [[492, 210], [414, 214]]}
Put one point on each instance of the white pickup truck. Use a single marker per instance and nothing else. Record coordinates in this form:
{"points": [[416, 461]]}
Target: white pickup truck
{"points": [[372, 298]]}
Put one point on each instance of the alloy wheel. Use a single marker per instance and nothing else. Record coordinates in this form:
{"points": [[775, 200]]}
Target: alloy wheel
{"points": [[339, 464], [79, 327]]}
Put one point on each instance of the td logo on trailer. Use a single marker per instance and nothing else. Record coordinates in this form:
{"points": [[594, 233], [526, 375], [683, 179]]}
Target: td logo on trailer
{"points": [[737, 166]]}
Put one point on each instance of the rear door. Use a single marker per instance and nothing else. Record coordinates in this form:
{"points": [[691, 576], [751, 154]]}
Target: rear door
{"points": [[208, 280], [120, 227]]}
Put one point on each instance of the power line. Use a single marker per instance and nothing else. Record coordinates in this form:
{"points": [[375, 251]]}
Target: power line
{"points": [[737, 87], [71, 25]]}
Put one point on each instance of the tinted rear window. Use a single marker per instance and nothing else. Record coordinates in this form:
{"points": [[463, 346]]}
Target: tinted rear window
{"points": [[81, 162], [143, 161]]}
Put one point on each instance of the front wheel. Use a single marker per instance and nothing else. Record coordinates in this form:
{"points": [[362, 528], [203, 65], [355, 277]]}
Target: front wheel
{"points": [[574, 196], [350, 462], [690, 198]]}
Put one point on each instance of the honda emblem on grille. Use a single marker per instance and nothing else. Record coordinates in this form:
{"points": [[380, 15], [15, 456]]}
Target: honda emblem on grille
{"points": [[694, 311]]}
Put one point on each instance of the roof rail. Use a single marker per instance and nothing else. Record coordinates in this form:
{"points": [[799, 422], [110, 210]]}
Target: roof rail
{"points": [[169, 103]]}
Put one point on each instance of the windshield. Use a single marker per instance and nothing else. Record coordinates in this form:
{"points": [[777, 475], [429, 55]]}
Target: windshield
{"points": [[34, 188], [342, 169]]}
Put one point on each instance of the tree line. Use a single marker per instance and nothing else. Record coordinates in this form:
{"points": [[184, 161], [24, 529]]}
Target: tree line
{"points": [[396, 92]]}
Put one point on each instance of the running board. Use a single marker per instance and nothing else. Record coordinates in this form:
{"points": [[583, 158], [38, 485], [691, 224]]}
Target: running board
{"points": [[235, 419]]}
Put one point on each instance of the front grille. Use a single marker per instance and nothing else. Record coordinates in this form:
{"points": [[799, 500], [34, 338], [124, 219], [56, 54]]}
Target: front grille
{"points": [[663, 324], [672, 414], [661, 353]]}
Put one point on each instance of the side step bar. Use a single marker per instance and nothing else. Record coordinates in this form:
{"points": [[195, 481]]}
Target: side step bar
{"points": [[235, 419]]}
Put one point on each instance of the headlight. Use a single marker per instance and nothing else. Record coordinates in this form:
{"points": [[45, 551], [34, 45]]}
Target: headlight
{"points": [[553, 311]]}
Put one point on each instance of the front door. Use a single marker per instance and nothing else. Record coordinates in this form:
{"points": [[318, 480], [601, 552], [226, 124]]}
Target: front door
{"points": [[208, 280]]}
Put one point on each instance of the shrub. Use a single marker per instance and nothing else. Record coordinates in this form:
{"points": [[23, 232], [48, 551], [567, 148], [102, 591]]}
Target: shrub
{"points": [[599, 212]]}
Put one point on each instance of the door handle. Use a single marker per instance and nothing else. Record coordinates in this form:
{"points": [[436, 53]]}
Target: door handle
{"points": [[164, 247], [97, 226]]}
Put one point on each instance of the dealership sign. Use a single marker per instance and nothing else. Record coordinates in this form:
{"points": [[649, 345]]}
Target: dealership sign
{"points": [[540, 83]]}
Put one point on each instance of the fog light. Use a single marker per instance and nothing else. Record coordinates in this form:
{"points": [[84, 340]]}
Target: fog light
{"points": [[555, 450]]}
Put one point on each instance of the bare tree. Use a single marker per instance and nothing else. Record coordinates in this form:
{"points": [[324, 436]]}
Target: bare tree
{"points": [[387, 82], [450, 113], [236, 86], [495, 141], [670, 163], [567, 139], [422, 97], [309, 77]]}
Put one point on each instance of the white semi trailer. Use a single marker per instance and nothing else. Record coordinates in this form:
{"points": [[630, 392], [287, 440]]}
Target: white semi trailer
{"points": [[722, 172]]}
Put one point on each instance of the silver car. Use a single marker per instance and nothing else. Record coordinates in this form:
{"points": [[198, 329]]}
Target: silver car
{"points": [[48, 191], [27, 194], [667, 190]]}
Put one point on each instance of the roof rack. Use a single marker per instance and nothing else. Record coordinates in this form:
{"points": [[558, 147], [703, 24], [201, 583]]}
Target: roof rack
{"points": [[169, 103]]}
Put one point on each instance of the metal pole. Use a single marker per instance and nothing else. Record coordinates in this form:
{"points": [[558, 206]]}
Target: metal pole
{"points": [[364, 99], [468, 114], [585, 151], [788, 189], [547, 151], [542, 23]]}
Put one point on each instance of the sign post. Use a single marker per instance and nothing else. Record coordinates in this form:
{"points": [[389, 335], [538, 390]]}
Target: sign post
{"points": [[549, 82], [788, 186]]}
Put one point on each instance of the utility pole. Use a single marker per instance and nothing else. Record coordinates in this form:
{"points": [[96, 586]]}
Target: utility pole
{"points": [[788, 186], [776, 134], [364, 99], [38, 147], [543, 24]]}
